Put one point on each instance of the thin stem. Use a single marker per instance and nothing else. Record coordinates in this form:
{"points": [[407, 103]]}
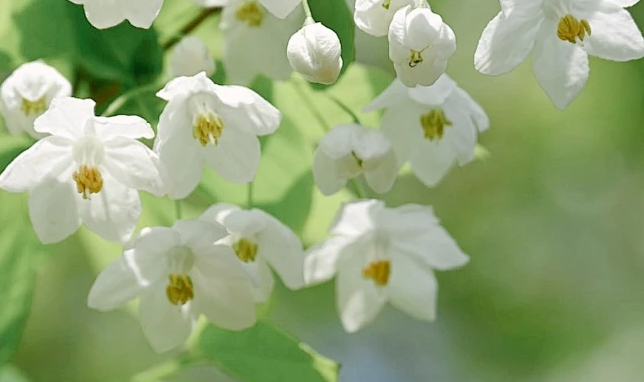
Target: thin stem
{"points": [[307, 10], [177, 209], [249, 196], [358, 188], [345, 108], [191, 26], [314, 110], [165, 369], [118, 103]]}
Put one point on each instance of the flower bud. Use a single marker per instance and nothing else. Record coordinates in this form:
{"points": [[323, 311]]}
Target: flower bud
{"points": [[314, 51], [190, 57]]}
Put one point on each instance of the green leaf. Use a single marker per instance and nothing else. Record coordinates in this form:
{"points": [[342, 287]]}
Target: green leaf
{"points": [[336, 15], [265, 353], [9, 373]]}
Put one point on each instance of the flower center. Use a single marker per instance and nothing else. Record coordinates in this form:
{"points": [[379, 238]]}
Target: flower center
{"points": [[415, 58], [251, 13], [386, 4], [570, 29], [33, 108], [207, 128], [180, 289], [378, 271], [433, 124], [246, 250], [88, 180]]}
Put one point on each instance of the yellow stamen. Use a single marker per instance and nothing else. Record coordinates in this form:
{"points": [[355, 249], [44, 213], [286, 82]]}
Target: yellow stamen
{"points": [[251, 13], [33, 108], [378, 271], [433, 124], [88, 180], [415, 58], [207, 128], [570, 29], [180, 289], [246, 250], [386, 4]]}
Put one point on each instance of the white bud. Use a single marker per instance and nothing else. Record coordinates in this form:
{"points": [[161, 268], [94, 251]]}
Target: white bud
{"points": [[190, 57], [27, 93], [314, 51]]}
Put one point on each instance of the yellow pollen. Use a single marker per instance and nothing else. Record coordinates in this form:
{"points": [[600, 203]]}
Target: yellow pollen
{"points": [[433, 124], [88, 180], [569, 29], [33, 108], [207, 129], [386, 4], [246, 250], [358, 160], [377, 271], [251, 13], [415, 58], [180, 289]]}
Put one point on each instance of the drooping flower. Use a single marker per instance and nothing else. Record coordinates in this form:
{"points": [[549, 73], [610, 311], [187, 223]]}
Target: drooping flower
{"points": [[259, 241], [179, 273], [104, 14], [27, 93], [560, 34], [375, 16], [190, 57], [208, 123], [382, 254], [420, 44], [255, 41], [348, 151], [87, 171], [314, 52], [432, 127]]}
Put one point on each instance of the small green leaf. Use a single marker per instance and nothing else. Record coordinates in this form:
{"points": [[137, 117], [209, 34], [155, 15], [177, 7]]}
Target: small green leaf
{"points": [[265, 353]]}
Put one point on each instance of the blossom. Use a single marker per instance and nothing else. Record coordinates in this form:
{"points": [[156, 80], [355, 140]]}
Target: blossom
{"points": [[208, 123], [105, 14], [560, 34], [348, 151], [26, 94], [374, 16], [179, 273], [431, 127], [260, 240], [314, 51], [87, 171], [255, 41], [420, 44], [383, 254], [190, 57]]}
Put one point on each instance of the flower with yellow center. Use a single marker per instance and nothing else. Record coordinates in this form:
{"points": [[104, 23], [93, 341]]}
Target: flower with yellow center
{"points": [[432, 127], [208, 123], [260, 242], [560, 34], [381, 255], [87, 171], [179, 273]]}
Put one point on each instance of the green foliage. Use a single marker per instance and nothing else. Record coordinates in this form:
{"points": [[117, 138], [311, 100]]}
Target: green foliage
{"points": [[264, 353], [10, 373]]}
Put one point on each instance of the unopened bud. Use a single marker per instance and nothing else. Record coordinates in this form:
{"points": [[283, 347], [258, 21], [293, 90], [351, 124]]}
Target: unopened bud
{"points": [[190, 57], [314, 51]]}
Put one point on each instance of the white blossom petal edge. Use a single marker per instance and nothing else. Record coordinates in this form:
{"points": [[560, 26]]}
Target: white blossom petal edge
{"points": [[106, 14], [191, 56], [375, 16]]}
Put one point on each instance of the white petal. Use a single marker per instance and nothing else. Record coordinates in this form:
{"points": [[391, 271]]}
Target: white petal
{"points": [[127, 126], [396, 93], [166, 326], [373, 18], [103, 14], [50, 158], [282, 249], [461, 99], [560, 67], [507, 40], [247, 111], [141, 13], [370, 145], [382, 178], [280, 8], [263, 292], [191, 56], [236, 157], [184, 86], [325, 173], [435, 94], [320, 263], [407, 221], [53, 211], [113, 212], [66, 117], [199, 233], [412, 288], [155, 241], [402, 126], [244, 222], [431, 161], [356, 218], [218, 212], [624, 3], [133, 164], [615, 36]]}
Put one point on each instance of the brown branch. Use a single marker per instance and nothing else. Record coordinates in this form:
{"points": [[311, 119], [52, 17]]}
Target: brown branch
{"points": [[191, 26]]}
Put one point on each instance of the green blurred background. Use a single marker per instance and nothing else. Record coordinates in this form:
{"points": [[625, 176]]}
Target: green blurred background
{"points": [[552, 221]]}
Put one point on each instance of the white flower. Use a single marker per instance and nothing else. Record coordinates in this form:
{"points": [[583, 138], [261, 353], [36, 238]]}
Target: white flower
{"points": [[208, 123], [383, 254], [190, 57], [420, 44], [314, 52], [348, 151], [210, 3], [260, 240], [108, 13], [432, 127], [560, 34], [374, 16], [255, 41], [280, 8], [87, 171], [179, 274], [26, 94]]}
